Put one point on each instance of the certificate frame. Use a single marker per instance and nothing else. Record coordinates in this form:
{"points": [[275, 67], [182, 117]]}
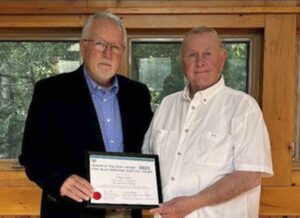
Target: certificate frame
{"points": [[123, 171]]}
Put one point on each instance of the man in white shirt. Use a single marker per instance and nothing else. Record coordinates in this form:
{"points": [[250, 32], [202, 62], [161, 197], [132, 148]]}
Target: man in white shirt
{"points": [[212, 141]]}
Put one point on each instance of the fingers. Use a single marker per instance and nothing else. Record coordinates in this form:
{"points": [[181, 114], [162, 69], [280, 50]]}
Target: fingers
{"points": [[156, 210], [76, 188], [162, 210], [166, 209]]}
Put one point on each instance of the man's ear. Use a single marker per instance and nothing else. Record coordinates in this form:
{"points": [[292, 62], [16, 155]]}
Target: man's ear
{"points": [[82, 46], [224, 56]]}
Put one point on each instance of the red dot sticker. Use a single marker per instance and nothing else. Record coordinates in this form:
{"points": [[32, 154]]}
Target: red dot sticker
{"points": [[97, 195]]}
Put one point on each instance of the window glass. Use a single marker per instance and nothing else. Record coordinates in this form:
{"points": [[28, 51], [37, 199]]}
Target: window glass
{"points": [[236, 69], [154, 62], [157, 64], [22, 64]]}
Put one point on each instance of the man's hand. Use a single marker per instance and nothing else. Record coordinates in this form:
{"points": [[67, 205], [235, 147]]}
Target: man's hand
{"points": [[76, 188], [221, 191], [176, 208]]}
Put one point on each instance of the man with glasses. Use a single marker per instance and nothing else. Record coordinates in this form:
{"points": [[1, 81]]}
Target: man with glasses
{"points": [[91, 108]]}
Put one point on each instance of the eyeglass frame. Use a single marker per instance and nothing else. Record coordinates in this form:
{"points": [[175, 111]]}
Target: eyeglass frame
{"points": [[106, 45]]}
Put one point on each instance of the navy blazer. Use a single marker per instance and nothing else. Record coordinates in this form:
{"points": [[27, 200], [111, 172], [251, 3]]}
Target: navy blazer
{"points": [[62, 124]]}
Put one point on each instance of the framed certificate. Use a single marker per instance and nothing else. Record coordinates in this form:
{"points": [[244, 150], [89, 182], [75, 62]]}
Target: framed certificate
{"points": [[124, 180]]}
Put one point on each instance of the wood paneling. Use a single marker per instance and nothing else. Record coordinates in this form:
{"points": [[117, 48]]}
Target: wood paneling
{"points": [[280, 194], [14, 179], [159, 10], [178, 4], [148, 7], [189, 21], [20, 201], [26, 200], [19, 216], [38, 21], [282, 201], [135, 21], [42, 6], [279, 92], [281, 3], [296, 178]]}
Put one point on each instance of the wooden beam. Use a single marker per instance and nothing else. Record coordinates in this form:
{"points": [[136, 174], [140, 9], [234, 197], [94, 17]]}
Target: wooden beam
{"points": [[20, 201], [189, 21], [209, 10], [41, 21], [279, 93], [14, 179], [136, 21], [75, 10], [26, 201], [296, 178], [278, 201]]}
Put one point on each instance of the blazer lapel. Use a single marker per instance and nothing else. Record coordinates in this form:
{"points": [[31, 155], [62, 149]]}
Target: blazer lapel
{"points": [[122, 98], [92, 125]]}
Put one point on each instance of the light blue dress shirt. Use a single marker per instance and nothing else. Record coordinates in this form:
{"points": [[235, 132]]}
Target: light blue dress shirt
{"points": [[108, 112]]}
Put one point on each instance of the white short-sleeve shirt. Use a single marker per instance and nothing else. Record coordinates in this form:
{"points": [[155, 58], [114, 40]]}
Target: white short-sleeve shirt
{"points": [[200, 140]]}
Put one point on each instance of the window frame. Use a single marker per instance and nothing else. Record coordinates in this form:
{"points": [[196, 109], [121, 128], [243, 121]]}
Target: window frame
{"points": [[71, 34], [254, 77], [296, 145]]}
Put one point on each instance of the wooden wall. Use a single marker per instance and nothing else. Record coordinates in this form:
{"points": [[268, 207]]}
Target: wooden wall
{"points": [[277, 20]]}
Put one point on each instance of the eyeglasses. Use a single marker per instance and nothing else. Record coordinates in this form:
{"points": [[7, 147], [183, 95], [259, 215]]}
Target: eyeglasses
{"points": [[194, 56], [100, 45]]}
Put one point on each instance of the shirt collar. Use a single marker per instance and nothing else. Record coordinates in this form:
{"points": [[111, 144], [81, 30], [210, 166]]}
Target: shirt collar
{"points": [[206, 94], [94, 87]]}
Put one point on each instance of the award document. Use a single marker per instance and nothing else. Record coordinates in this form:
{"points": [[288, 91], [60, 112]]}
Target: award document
{"points": [[124, 180]]}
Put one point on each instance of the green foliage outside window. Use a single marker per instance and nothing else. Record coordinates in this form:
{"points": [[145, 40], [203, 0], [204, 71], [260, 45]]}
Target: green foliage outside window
{"points": [[236, 66], [157, 64], [22, 64]]}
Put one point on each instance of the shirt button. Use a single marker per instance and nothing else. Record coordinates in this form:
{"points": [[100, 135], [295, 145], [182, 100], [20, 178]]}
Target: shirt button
{"points": [[186, 130], [111, 141], [108, 120], [193, 107], [104, 99], [204, 99], [172, 178], [178, 153]]}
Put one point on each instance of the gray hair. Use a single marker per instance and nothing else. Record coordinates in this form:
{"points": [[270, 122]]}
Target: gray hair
{"points": [[103, 15], [200, 30]]}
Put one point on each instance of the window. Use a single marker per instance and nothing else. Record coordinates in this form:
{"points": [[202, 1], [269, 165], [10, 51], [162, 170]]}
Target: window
{"points": [[156, 62], [236, 70], [23, 63]]}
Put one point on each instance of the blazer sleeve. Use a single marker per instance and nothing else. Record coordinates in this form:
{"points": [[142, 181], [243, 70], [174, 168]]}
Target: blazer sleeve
{"points": [[36, 156], [148, 109]]}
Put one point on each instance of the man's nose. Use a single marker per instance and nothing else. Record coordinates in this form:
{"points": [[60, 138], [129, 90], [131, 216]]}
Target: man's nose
{"points": [[200, 61], [107, 52]]}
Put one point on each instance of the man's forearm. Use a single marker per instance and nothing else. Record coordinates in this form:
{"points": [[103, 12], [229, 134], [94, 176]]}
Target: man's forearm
{"points": [[227, 188], [223, 190]]}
